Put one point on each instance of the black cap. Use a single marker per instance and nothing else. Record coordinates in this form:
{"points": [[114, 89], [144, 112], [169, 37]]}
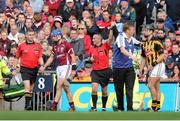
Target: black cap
{"points": [[169, 60]]}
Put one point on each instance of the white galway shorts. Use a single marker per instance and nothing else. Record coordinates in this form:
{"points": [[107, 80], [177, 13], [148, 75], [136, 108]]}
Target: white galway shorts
{"points": [[63, 72]]}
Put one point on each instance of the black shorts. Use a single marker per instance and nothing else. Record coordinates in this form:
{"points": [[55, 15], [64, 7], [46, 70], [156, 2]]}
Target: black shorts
{"points": [[101, 76], [29, 73]]}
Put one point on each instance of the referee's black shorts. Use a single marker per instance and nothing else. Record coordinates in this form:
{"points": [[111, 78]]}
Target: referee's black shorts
{"points": [[101, 76], [29, 73]]}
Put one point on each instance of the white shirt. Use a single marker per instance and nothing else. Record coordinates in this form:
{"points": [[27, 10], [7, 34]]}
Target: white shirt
{"points": [[15, 37], [120, 40]]}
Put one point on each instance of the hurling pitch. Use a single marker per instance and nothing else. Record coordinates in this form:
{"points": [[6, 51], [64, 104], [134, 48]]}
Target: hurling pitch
{"points": [[47, 115]]}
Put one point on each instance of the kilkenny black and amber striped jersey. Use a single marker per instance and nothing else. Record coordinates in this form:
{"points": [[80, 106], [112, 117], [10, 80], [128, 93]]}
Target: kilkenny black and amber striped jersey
{"points": [[151, 50]]}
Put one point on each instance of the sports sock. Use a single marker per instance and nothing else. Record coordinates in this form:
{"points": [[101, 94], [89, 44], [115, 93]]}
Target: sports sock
{"points": [[28, 98], [104, 101], [71, 104], [154, 104], [94, 99], [158, 106]]}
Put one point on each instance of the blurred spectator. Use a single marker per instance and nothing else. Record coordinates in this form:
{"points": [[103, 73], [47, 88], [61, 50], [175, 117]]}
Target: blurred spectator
{"points": [[166, 54], [69, 8], [28, 24], [17, 11], [85, 37], [176, 53], [21, 22], [176, 73], [36, 5], [18, 3], [2, 5], [47, 31], [66, 32], [41, 36], [74, 23], [128, 12], [46, 52], [25, 5], [160, 25], [3, 21], [83, 75], [50, 20], [169, 66], [162, 5], [178, 36], [89, 6], [178, 24], [81, 4], [11, 22], [117, 26], [5, 44], [141, 10], [21, 38], [168, 23], [168, 45], [77, 44], [161, 35], [13, 64], [13, 35], [13, 49], [173, 10], [104, 25], [57, 22], [47, 25], [53, 6], [85, 14], [97, 13], [9, 11], [172, 35], [151, 11], [29, 12], [45, 13], [91, 27], [106, 6], [38, 25]]}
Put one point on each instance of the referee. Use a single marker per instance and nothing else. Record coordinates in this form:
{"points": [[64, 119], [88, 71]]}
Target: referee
{"points": [[123, 72], [101, 72], [30, 55]]}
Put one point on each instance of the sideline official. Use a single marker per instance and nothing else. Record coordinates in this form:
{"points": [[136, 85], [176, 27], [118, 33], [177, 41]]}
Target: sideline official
{"points": [[123, 72], [30, 55]]}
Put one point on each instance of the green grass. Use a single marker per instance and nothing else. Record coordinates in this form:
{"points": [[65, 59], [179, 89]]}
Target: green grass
{"points": [[89, 115]]}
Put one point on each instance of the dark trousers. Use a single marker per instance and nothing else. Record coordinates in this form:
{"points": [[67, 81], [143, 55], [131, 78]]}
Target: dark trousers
{"points": [[124, 76]]}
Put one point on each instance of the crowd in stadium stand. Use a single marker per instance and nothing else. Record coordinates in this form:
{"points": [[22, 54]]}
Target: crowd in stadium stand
{"points": [[79, 20]]}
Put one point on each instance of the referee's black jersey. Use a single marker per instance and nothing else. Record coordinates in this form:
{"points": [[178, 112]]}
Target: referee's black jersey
{"points": [[151, 49]]}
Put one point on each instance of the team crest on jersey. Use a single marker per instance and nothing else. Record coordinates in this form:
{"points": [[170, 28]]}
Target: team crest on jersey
{"points": [[36, 50], [61, 49]]}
